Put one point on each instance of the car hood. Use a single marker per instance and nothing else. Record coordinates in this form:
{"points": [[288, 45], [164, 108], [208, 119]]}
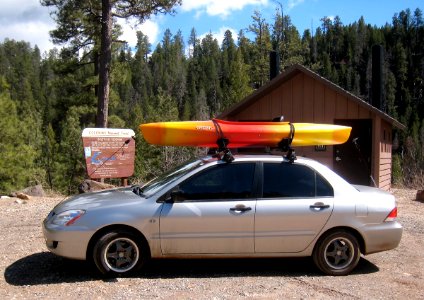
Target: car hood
{"points": [[104, 199]]}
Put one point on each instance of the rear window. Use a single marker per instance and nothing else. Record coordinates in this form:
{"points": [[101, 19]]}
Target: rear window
{"points": [[285, 180]]}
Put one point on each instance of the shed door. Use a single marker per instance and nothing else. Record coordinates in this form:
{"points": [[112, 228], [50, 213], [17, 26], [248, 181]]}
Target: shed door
{"points": [[352, 160]]}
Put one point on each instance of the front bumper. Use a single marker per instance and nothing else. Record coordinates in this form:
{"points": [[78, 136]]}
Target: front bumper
{"points": [[70, 242]]}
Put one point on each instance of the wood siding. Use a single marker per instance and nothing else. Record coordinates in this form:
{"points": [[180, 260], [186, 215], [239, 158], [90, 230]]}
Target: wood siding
{"points": [[303, 98], [385, 149]]}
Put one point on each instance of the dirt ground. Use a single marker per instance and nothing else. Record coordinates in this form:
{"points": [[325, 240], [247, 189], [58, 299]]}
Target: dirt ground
{"points": [[30, 272]]}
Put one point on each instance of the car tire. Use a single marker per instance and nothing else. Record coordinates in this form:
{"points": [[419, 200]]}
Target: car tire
{"points": [[119, 253], [337, 253]]}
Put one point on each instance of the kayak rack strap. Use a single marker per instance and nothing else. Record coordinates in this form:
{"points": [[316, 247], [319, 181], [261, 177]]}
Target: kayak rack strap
{"points": [[223, 153], [285, 145]]}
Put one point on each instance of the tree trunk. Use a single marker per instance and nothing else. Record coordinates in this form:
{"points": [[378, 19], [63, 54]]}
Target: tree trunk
{"points": [[96, 70], [104, 65]]}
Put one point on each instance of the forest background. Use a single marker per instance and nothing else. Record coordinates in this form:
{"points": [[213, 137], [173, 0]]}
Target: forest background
{"points": [[46, 99]]}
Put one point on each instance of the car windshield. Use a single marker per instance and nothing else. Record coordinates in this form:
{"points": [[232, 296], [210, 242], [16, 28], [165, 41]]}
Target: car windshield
{"points": [[166, 178]]}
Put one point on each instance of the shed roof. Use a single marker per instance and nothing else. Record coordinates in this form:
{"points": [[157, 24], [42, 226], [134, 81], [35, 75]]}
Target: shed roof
{"points": [[288, 74]]}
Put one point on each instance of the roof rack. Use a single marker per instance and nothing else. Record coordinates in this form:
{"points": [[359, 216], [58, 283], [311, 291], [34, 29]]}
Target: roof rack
{"points": [[285, 144], [222, 153]]}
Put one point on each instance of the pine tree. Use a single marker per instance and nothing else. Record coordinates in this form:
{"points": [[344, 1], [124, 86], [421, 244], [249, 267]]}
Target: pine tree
{"points": [[209, 62], [141, 76], [262, 46], [228, 53], [70, 162], [84, 23], [238, 87], [18, 155], [178, 72]]}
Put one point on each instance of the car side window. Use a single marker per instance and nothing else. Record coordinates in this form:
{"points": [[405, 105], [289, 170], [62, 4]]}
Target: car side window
{"points": [[324, 189], [292, 180], [222, 181]]}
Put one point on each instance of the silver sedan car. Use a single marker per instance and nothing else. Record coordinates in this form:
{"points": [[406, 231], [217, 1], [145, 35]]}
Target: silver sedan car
{"points": [[254, 206]]}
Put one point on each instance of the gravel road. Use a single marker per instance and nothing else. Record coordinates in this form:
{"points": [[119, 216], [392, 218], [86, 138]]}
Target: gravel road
{"points": [[30, 272]]}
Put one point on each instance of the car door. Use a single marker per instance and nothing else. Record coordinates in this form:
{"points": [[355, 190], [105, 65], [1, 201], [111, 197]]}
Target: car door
{"points": [[296, 203], [215, 212]]}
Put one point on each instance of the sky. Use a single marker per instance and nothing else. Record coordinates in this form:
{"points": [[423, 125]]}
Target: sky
{"points": [[27, 20]]}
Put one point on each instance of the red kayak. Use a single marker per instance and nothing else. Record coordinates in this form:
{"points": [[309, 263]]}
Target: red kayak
{"points": [[242, 134]]}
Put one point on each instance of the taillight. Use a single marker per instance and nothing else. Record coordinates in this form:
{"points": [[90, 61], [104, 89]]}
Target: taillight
{"points": [[392, 216]]}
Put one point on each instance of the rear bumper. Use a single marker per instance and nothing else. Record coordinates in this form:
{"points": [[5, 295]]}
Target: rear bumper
{"points": [[382, 237]]}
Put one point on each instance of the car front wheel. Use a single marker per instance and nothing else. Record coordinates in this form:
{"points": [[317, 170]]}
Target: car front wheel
{"points": [[337, 253], [119, 253]]}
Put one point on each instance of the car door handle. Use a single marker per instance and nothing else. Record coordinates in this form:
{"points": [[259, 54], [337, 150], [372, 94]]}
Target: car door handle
{"points": [[319, 205], [240, 208]]}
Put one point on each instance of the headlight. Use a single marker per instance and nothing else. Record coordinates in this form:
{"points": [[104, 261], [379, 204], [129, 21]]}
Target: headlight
{"points": [[68, 217]]}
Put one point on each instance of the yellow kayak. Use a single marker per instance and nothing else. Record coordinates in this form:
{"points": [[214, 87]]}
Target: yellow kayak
{"points": [[242, 134]]}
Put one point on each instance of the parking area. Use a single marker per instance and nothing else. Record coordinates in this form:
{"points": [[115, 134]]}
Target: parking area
{"points": [[30, 272]]}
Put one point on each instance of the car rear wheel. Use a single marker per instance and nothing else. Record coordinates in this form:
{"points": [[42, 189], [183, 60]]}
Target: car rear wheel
{"points": [[337, 253], [119, 253]]}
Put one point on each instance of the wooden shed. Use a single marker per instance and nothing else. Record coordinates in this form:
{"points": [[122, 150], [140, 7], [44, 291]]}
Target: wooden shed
{"points": [[301, 95]]}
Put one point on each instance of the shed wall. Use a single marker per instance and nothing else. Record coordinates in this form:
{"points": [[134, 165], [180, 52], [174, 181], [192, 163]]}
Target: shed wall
{"points": [[385, 167], [305, 99]]}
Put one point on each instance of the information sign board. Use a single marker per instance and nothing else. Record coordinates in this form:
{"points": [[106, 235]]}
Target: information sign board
{"points": [[109, 152]]}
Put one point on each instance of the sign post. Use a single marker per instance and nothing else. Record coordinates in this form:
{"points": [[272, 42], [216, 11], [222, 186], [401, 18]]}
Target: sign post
{"points": [[109, 152]]}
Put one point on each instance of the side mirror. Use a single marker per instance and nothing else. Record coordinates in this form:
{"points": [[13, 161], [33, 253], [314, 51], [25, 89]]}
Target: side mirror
{"points": [[177, 196]]}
